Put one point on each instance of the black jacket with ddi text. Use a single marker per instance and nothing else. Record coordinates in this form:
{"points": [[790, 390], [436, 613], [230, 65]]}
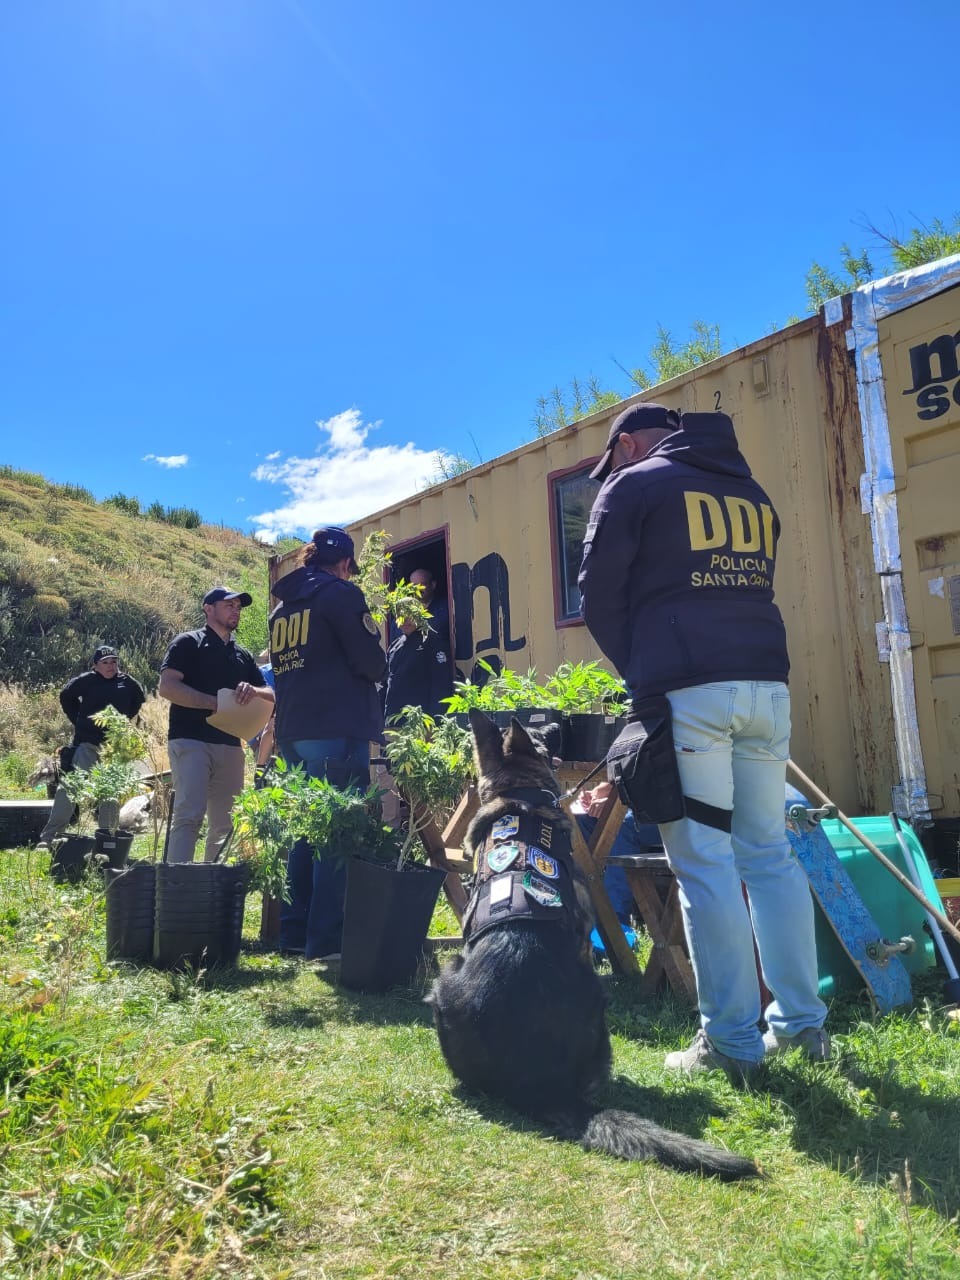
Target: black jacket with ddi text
{"points": [[676, 582], [326, 656]]}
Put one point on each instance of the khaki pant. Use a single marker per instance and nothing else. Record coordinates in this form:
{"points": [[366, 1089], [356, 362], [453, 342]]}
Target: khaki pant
{"points": [[207, 777], [85, 756]]}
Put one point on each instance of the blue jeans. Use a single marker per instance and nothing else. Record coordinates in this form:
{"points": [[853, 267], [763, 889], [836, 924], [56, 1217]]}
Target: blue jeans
{"points": [[732, 740], [316, 882]]}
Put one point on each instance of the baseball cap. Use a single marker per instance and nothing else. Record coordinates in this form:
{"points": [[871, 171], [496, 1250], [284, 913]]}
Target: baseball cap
{"points": [[104, 651], [639, 417], [333, 544], [217, 594]]}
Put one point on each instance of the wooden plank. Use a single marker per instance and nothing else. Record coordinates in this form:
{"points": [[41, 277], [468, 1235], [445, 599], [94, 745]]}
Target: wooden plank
{"points": [[609, 927], [663, 922], [607, 828], [454, 833]]}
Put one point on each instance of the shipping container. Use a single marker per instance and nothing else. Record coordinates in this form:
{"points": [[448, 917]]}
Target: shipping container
{"points": [[851, 422]]}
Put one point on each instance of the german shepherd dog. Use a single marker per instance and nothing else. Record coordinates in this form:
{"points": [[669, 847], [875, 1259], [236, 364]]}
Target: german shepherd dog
{"points": [[520, 1014]]}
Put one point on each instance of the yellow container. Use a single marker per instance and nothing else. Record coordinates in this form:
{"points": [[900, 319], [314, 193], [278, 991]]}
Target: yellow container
{"points": [[949, 891]]}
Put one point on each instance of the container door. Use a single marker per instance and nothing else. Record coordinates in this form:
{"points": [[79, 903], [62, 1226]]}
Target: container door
{"points": [[920, 355]]}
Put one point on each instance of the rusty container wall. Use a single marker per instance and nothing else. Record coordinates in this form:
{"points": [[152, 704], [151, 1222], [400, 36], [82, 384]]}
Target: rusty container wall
{"points": [[794, 407]]}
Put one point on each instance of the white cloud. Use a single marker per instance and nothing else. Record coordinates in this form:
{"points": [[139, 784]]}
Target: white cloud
{"points": [[272, 457], [171, 460], [344, 480]]}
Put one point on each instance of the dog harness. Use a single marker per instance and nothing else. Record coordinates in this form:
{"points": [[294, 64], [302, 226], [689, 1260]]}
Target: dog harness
{"points": [[524, 868]]}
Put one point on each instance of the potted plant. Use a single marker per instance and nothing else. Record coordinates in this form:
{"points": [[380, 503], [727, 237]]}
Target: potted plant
{"points": [[382, 930], [101, 790], [131, 889], [390, 903], [593, 703], [505, 695]]}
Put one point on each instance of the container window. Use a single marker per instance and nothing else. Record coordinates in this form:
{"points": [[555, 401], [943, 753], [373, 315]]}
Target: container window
{"points": [[573, 496]]}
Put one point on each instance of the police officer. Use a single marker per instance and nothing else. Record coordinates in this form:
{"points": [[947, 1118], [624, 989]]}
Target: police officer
{"points": [[104, 685], [327, 658], [419, 671], [677, 590]]}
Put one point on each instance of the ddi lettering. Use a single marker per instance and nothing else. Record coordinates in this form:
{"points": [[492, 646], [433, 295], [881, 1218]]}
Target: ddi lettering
{"points": [[736, 524], [287, 633]]}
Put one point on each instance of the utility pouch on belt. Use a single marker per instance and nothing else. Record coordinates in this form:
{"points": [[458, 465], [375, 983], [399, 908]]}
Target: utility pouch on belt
{"points": [[643, 763]]}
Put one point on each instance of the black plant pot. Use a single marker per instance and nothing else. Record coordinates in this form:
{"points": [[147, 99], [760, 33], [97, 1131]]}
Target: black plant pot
{"points": [[70, 859], [198, 915], [22, 821], [130, 894], [114, 845], [589, 737], [385, 920]]}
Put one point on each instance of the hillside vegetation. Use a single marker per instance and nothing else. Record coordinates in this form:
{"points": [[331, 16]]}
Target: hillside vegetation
{"points": [[75, 573]]}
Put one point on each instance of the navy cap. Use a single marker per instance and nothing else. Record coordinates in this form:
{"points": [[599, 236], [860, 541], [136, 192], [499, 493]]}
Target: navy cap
{"points": [[639, 417], [104, 651], [332, 545], [224, 593]]}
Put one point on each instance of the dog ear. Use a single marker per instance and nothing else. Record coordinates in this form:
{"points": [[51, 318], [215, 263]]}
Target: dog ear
{"points": [[518, 742], [487, 742]]}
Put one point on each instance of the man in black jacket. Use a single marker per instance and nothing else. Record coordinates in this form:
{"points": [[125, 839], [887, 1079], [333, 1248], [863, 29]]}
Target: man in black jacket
{"points": [[677, 590], [327, 658], [104, 685], [419, 670]]}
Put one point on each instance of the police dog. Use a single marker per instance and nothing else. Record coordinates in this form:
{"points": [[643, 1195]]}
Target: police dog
{"points": [[520, 1014]]}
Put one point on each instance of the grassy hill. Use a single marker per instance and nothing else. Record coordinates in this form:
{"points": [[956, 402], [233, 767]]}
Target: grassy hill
{"points": [[75, 573]]}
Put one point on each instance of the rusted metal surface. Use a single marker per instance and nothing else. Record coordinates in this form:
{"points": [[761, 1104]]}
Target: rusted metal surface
{"points": [[870, 709]]}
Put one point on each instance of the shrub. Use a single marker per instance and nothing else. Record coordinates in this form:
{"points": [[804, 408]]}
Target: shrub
{"points": [[129, 506]]}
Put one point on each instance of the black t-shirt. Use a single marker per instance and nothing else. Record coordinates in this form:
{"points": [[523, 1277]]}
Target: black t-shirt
{"points": [[207, 664]]}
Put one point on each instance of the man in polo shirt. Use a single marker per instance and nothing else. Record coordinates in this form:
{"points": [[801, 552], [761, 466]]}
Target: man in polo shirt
{"points": [[206, 764]]}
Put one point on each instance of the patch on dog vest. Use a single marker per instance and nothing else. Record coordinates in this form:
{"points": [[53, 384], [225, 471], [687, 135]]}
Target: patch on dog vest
{"points": [[546, 894], [502, 856], [505, 827], [500, 890], [542, 862]]}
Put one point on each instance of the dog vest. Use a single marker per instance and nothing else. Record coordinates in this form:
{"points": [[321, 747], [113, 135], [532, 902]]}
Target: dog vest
{"points": [[524, 868]]}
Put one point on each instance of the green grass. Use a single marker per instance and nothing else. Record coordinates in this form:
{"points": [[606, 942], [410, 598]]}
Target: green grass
{"points": [[266, 1123]]}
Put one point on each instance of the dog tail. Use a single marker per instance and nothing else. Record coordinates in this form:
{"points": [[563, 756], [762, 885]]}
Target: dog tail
{"points": [[631, 1137]]}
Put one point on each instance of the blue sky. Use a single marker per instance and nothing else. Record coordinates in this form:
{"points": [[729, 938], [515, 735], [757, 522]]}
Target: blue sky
{"points": [[267, 258]]}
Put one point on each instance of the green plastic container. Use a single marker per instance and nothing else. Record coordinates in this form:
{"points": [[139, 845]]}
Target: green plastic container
{"points": [[896, 912]]}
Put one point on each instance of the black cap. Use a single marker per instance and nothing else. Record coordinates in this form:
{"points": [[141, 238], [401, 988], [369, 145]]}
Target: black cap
{"points": [[332, 545], [639, 417], [224, 593], [104, 651]]}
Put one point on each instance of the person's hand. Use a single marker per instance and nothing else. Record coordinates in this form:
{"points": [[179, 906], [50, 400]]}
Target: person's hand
{"points": [[595, 801], [244, 692]]}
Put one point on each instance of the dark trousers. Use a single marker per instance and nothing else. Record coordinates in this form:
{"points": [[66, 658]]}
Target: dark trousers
{"points": [[316, 879]]}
